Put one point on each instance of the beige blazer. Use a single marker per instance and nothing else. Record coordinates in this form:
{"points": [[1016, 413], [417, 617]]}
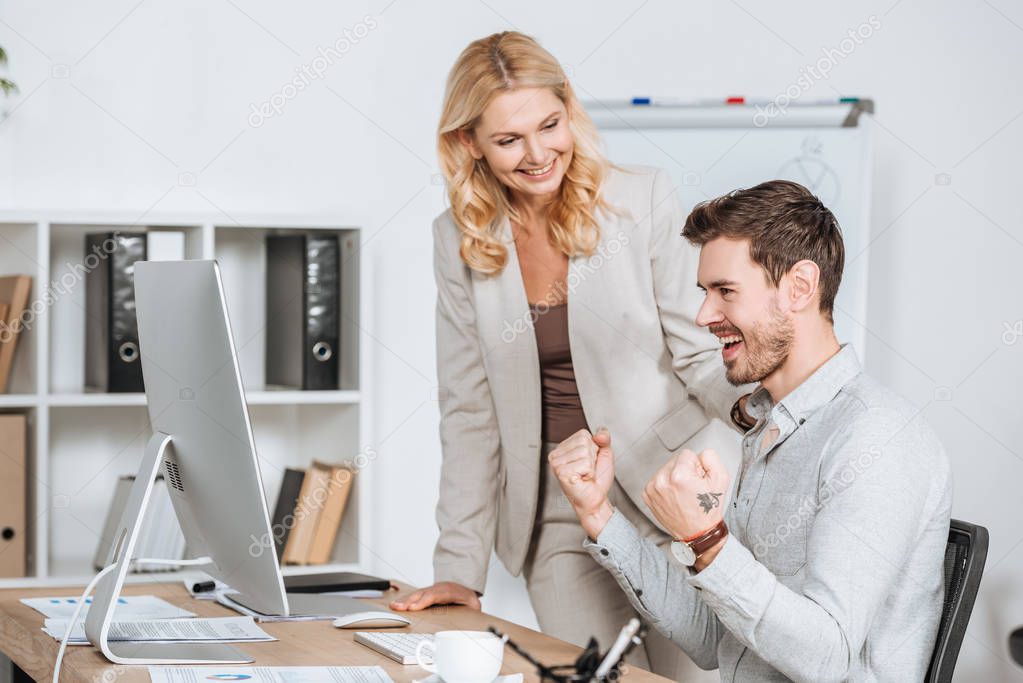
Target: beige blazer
{"points": [[643, 368]]}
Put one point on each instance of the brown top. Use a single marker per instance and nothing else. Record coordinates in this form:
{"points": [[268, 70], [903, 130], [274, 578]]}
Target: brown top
{"points": [[562, 413]]}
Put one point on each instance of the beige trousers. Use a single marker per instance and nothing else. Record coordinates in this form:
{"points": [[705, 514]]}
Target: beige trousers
{"points": [[575, 598]]}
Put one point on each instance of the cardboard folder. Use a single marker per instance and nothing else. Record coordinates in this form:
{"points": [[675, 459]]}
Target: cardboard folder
{"points": [[13, 532], [14, 291]]}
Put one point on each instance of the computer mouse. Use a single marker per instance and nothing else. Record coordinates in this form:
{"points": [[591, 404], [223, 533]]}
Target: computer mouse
{"points": [[371, 620]]}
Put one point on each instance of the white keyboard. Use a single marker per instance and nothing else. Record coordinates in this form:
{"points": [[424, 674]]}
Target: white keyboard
{"points": [[401, 647]]}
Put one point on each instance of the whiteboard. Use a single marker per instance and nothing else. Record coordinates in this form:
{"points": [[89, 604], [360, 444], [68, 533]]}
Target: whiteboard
{"points": [[833, 160]]}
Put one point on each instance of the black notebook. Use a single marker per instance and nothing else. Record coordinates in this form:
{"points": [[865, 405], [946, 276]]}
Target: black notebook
{"points": [[332, 582]]}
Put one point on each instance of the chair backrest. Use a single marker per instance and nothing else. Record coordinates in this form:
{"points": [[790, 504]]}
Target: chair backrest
{"points": [[965, 555]]}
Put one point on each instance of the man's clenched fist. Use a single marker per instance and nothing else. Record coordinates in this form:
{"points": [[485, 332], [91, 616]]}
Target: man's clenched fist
{"points": [[687, 495], [584, 466]]}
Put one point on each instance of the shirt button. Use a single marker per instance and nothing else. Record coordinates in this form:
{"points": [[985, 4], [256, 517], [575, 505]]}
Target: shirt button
{"points": [[639, 592], [603, 551]]}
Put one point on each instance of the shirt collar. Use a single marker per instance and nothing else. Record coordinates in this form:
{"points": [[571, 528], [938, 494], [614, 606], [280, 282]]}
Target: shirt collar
{"points": [[816, 390]]}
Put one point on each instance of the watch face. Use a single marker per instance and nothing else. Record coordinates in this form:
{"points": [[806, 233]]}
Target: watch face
{"points": [[683, 553]]}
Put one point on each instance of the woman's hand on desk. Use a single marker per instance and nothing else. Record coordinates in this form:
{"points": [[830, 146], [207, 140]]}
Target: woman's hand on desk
{"points": [[443, 593]]}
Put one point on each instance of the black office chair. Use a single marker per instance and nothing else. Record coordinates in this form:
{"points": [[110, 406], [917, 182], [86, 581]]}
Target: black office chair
{"points": [[965, 555], [1016, 645]]}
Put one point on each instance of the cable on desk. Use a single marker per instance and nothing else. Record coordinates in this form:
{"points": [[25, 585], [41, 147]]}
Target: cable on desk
{"points": [[92, 584]]}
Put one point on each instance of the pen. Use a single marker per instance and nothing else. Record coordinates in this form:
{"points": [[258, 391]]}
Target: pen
{"points": [[615, 653]]}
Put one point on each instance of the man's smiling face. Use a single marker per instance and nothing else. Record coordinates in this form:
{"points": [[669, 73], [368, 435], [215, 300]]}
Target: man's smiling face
{"points": [[742, 309]]}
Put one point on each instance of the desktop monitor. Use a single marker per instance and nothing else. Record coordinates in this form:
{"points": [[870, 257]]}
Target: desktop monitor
{"points": [[194, 393], [202, 442]]}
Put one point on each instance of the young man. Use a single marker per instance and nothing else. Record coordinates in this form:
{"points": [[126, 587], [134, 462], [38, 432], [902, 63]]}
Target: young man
{"points": [[826, 563]]}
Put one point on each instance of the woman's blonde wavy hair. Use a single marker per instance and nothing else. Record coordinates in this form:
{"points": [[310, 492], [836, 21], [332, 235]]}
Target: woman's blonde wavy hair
{"points": [[479, 201]]}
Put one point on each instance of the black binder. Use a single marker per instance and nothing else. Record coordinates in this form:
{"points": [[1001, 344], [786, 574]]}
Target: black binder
{"points": [[302, 311], [284, 511], [111, 329]]}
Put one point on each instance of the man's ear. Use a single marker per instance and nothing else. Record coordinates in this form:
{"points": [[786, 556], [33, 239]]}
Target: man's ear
{"points": [[467, 139], [804, 281]]}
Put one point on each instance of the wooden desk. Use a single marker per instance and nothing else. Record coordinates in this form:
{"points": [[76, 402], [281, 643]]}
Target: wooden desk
{"points": [[309, 643]]}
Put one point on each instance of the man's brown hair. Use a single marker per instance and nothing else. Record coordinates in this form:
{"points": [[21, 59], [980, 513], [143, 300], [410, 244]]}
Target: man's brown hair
{"points": [[785, 223]]}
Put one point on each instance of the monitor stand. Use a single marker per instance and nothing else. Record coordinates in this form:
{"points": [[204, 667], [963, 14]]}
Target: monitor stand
{"points": [[108, 590]]}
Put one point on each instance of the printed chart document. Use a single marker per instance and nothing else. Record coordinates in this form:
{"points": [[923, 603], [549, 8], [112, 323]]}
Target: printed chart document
{"points": [[216, 630], [269, 674], [129, 608]]}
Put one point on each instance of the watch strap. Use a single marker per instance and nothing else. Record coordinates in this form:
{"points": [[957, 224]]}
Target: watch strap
{"points": [[740, 418], [706, 540]]}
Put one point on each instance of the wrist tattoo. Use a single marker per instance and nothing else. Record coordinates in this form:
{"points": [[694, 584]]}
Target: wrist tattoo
{"points": [[708, 501]]}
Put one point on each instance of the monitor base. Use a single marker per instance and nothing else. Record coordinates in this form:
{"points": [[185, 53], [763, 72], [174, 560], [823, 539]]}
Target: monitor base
{"points": [[133, 652]]}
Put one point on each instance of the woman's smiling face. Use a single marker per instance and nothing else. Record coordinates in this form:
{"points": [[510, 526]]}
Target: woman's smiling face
{"points": [[524, 137]]}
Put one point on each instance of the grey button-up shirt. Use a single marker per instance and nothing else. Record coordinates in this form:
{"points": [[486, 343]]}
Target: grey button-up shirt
{"points": [[833, 567]]}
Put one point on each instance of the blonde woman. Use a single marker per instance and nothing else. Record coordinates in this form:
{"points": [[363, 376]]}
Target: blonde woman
{"points": [[566, 301]]}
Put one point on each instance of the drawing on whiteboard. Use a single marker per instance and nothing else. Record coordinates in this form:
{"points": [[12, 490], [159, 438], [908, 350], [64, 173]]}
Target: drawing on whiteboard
{"points": [[833, 161], [812, 172]]}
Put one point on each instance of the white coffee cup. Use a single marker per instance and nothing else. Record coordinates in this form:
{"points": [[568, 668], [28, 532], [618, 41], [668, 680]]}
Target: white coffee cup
{"points": [[463, 656]]}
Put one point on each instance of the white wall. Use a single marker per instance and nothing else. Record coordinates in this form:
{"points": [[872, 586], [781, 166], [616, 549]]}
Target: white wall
{"points": [[118, 101]]}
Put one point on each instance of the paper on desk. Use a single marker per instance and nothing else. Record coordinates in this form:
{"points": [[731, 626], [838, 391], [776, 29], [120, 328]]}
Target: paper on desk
{"points": [[129, 607], [218, 630], [226, 601], [270, 674], [364, 593], [434, 678]]}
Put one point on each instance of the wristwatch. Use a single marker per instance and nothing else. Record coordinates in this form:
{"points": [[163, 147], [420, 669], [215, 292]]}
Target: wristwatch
{"points": [[740, 418], [688, 550]]}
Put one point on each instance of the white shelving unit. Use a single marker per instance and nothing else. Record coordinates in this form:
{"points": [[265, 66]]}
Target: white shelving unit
{"points": [[80, 442]]}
